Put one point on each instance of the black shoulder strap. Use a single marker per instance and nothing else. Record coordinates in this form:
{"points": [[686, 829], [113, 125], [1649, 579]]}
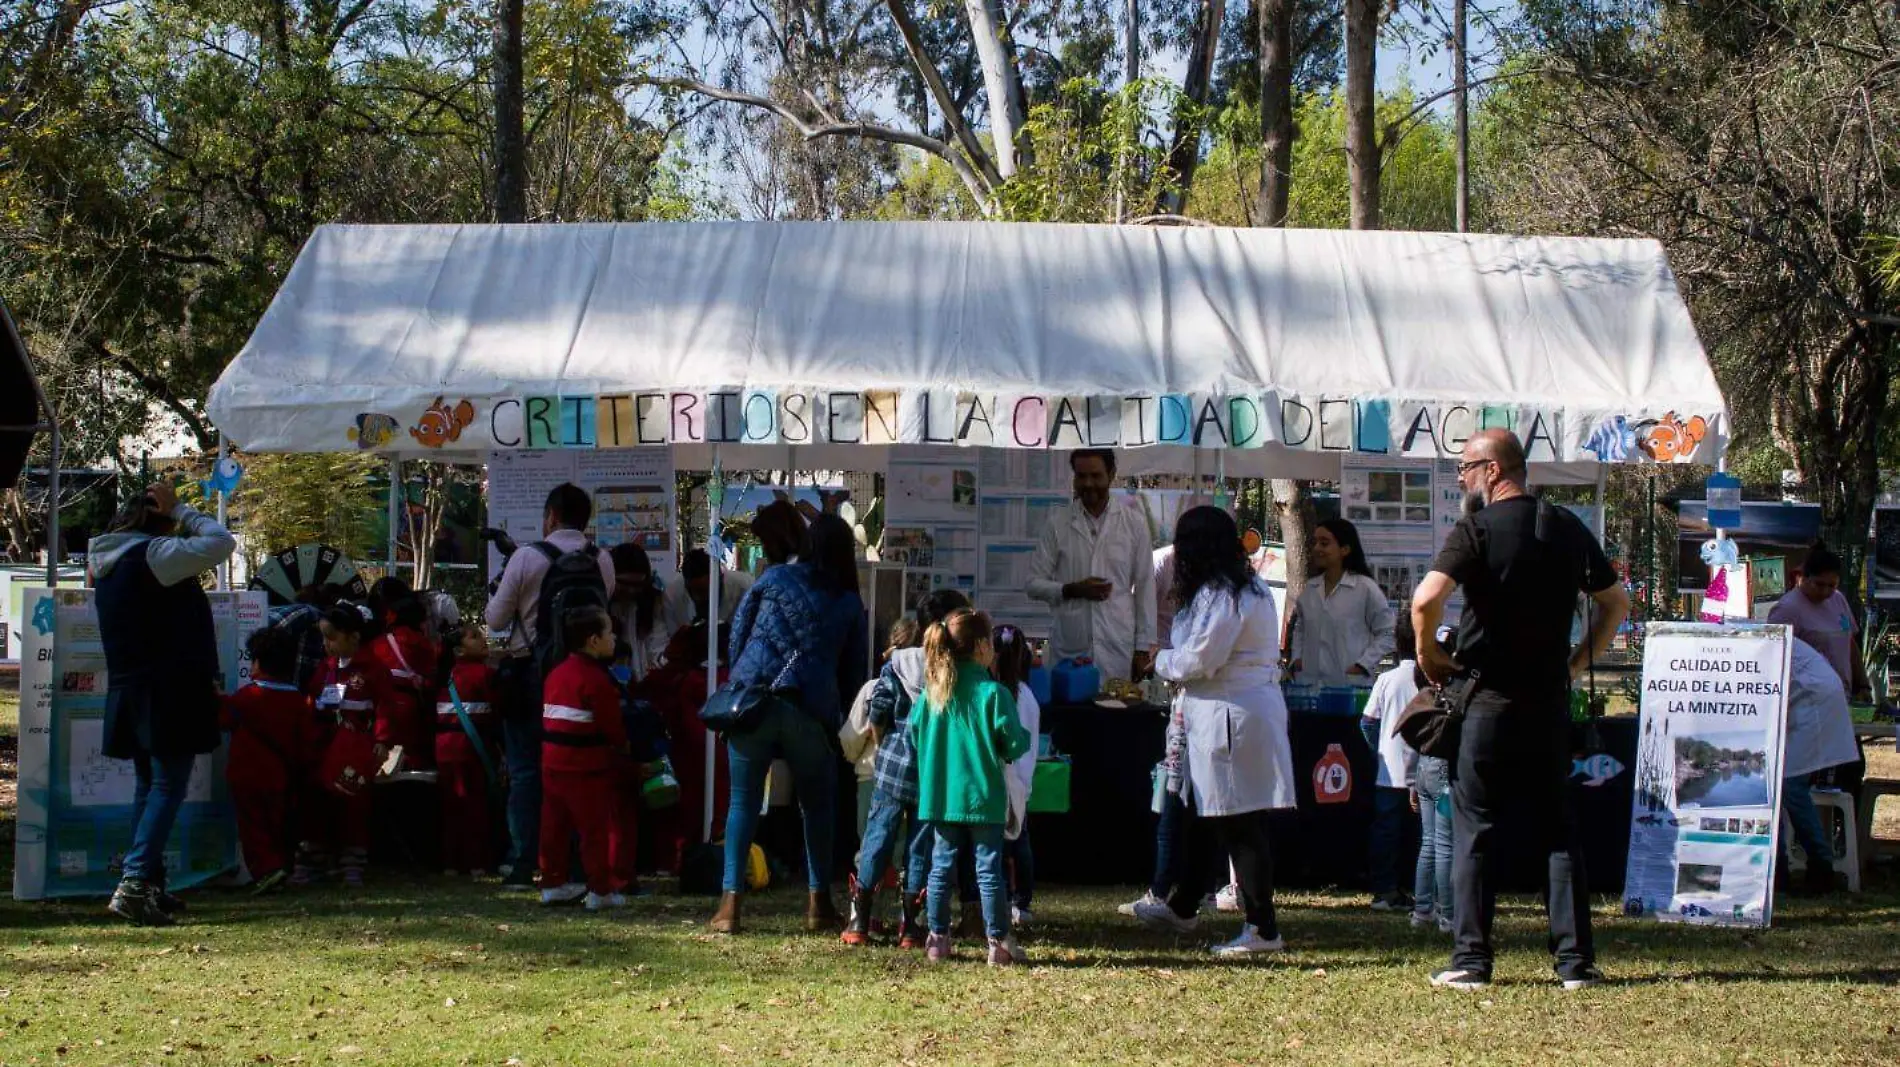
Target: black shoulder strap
{"points": [[547, 549]]}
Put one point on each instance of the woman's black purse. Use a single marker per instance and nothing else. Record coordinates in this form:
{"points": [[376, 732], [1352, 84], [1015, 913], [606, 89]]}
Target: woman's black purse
{"points": [[738, 709]]}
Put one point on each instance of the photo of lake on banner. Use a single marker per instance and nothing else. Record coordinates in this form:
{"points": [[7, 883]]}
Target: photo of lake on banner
{"points": [[1723, 769]]}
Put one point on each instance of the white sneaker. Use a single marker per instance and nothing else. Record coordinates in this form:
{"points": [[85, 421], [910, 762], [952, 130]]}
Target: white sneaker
{"points": [[1159, 916], [1423, 918], [1020, 916], [1249, 943], [596, 901], [1446, 926], [1128, 909], [566, 894], [1228, 899], [1459, 978]]}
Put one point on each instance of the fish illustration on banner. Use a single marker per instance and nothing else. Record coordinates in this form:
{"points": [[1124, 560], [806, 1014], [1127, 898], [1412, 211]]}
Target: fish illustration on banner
{"points": [[1671, 440], [373, 430], [1597, 769], [441, 425], [1613, 441]]}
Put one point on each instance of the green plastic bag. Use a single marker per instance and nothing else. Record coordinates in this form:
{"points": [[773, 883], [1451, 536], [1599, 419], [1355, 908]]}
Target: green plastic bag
{"points": [[1049, 789]]}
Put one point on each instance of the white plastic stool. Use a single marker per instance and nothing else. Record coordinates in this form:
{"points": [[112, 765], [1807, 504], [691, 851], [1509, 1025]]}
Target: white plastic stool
{"points": [[1843, 803]]}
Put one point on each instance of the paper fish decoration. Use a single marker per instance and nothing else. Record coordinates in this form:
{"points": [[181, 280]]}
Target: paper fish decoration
{"points": [[373, 430], [1720, 552], [1597, 769], [224, 477], [1612, 440], [1671, 440], [43, 616], [441, 425]]}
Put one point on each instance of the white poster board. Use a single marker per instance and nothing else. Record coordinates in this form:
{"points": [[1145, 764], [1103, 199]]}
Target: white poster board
{"points": [[633, 491], [75, 809], [1020, 492], [931, 520], [1402, 508], [1705, 819]]}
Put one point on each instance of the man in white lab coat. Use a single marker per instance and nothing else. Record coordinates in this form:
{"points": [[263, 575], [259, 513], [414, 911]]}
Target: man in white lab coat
{"points": [[1095, 567]]}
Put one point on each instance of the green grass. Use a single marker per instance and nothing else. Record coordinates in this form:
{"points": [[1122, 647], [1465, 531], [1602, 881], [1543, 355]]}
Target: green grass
{"points": [[9, 710], [413, 972]]}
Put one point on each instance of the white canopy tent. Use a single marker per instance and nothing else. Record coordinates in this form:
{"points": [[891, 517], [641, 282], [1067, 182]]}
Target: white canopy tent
{"points": [[818, 345]]}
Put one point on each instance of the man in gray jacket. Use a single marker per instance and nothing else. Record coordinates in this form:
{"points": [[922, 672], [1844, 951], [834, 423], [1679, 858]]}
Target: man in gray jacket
{"points": [[162, 674]]}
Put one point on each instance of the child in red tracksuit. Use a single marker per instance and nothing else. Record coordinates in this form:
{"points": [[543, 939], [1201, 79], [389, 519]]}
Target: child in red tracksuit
{"points": [[461, 766], [350, 691], [583, 746], [677, 690], [410, 658], [273, 746]]}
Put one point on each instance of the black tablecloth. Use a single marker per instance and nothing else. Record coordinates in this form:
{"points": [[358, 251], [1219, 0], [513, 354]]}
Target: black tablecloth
{"points": [[1107, 837]]}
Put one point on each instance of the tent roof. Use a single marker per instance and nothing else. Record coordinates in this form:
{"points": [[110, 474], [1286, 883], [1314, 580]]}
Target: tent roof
{"points": [[384, 319]]}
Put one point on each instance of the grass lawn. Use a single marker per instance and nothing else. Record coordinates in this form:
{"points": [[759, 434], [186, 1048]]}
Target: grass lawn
{"points": [[426, 971]]}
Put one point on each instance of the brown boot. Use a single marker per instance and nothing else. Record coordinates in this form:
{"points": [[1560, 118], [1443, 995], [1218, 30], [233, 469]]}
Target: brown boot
{"points": [[726, 921], [821, 913]]}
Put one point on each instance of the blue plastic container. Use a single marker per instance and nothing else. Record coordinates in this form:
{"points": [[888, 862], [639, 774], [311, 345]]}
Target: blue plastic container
{"points": [[1301, 697], [1039, 686], [1076, 683], [1337, 700]]}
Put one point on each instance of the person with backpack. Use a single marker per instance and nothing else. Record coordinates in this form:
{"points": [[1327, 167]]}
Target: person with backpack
{"points": [[539, 586]]}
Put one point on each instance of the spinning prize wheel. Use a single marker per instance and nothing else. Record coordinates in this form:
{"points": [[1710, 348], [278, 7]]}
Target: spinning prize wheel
{"points": [[291, 569]]}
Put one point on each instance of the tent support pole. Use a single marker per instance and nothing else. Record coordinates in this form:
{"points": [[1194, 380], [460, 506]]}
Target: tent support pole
{"points": [[52, 507], [714, 495], [395, 510], [224, 514], [1602, 518]]}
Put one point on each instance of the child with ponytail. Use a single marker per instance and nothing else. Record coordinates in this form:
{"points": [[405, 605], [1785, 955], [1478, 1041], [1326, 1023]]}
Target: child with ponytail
{"points": [[966, 733]]}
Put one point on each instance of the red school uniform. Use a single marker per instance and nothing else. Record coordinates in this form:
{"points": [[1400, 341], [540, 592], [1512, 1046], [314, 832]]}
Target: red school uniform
{"points": [[407, 720], [274, 743], [461, 778], [582, 741], [348, 695]]}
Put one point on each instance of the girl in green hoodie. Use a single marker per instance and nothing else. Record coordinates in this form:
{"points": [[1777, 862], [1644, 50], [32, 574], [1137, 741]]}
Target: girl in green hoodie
{"points": [[966, 733]]}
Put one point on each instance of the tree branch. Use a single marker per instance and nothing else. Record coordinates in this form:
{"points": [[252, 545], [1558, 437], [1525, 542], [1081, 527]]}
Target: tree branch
{"points": [[952, 114]]}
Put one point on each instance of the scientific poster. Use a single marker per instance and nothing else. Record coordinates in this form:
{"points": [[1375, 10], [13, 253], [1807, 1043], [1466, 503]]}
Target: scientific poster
{"points": [[633, 491], [1704, 822], [75, 810], [1402, 508], [931, 521], [1021, 491]]}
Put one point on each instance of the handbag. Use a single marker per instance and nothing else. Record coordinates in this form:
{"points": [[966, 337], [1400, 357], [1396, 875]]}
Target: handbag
{"points": [[349, 764], [738, 708], [1433, 720]]}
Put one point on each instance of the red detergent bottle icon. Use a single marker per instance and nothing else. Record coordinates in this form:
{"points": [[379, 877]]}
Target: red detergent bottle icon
{"points": [[1332, 777]]}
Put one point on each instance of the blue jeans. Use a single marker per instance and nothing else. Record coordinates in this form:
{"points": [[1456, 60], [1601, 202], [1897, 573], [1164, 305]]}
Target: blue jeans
{"points": [[890, 822], [1815, 841], [1169, 850], [1431, 883], [159, 791], [790, 733], [521, 748], [1390, 809], [986, 841]]}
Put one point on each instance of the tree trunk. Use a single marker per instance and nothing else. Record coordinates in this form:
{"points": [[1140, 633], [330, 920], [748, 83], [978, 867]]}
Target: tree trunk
{"points": [[1362, 140], [1184, 156], [989, 28], [511, 141], [1293, 504], [1276, 110], [1131, 42]]}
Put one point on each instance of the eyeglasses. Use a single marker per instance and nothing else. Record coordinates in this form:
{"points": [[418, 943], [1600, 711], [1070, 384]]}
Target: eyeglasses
{"points": [[1470, 465]]}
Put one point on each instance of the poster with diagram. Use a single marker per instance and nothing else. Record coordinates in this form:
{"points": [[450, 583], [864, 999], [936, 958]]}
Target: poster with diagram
{"points": [[1021, 492], [1704, 820], [633, 491], [75, 807], [931, 520], [1402, 509]]}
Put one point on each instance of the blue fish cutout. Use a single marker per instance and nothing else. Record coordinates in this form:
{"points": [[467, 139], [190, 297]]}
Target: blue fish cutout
{"points": [[224, 479], [1613, 440]]}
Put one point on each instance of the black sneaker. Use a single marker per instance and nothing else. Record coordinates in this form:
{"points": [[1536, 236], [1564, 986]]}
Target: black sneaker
{"points": [[135, 903], [170, 905], [1459, 978], [1582, 978], [521, 879]]}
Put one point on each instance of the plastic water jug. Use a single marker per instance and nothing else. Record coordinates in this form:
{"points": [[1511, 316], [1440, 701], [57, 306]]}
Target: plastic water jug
{"points": [[1076, 681], [1039, 686]]}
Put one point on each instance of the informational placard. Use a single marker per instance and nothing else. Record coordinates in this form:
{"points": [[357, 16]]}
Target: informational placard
{"points": [[14, 582], [1020, 493], [1704, 822], [931, 520], [1402, 508], [75, 809], [633, 491]]}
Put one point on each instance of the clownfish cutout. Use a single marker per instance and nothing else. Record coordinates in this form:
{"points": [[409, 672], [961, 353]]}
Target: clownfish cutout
{"points": [[1672, 440], [441, 425]]}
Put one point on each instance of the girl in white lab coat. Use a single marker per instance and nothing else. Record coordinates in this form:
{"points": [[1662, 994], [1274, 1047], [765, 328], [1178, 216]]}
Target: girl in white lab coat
{"points": [[1342, 627], [1239, 763]]}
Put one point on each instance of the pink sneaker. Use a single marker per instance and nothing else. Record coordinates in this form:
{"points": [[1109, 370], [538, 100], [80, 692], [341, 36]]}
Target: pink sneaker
{"points": [[937, 948], [1005, 952]]}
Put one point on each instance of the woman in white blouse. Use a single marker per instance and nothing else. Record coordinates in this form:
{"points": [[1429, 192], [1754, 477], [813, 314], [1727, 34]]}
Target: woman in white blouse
{"points": [[1238, 763], [1342, 626]]}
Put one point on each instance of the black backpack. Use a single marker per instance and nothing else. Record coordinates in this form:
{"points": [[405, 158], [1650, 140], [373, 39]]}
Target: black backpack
{"points": [[572, 581]]}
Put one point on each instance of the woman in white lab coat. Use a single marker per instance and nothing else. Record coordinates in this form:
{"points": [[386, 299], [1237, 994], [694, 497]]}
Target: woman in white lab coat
{"points": [[1239, 764], [1342, 626]]}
